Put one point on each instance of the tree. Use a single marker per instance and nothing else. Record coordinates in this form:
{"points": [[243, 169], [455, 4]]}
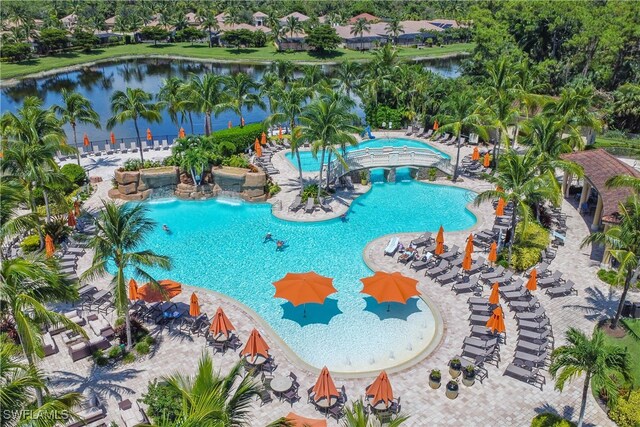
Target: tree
{"points": [[192, 154], [15, 51], [12, 220], [238, 38], [292, 25], [76, 109], [133, 104], [209, 21], [120, 232], [207, 96], [170, 98], [284, 70], [84, 39], [323, 38], [348, 76], [52, 39], [594, 358], [357, 416], [190, 34], [575, 110], [625, 108], [241, 93], [394, 28], [154, 33], [358, 29]]}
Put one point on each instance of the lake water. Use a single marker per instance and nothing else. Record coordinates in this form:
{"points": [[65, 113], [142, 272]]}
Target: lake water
{"points": [[98, 82]]}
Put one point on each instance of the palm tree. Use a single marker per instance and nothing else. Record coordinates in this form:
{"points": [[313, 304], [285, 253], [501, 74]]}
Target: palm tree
{"points": [[357, 416], [575, 110], [519, 182], [273, 23], [358, 29], [192, 154], [284, 70], [76, 109], [27, 284], [133, 104], [292, 25], [313, 77], [270, 87], [207, 95], [526, 89], [232, 16], [394, 28], [594, 358], [12, 220], [210, 399], [208, 20], [623, 239], [121, 231], [348, 77], [241, 92], [171, 99]]}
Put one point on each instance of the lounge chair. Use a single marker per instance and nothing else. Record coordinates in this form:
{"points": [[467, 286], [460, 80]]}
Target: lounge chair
{"points": [[420, 264], [297, 204], [537, 314], [478, 319], [89, 411], [428, 134], [96, 150], [439, 269], [451, 253], [480, 343], [554, 280], [310, 206], [535, 324], [524, 305], [48, 344], [529, 376], [562, 290], [477, 300], [483, 333], [471, 286], [156, 145], [506, 278], [530, 347], [484, 354], [476, 267], [409, 131], [448, 277], [165, 144], [392, 246], [421, 240], [132, 415], [544, 334], [101, 327], [514, 295], [481, 309], [541, 270], [536, 360], [514, 286], [493, 274]]}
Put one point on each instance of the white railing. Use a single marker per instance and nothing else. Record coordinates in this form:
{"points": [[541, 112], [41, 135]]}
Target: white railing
{"points": [[390, 157]]}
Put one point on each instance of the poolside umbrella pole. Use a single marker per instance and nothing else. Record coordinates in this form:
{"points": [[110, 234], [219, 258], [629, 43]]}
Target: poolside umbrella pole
{"points": [[389, 287], [303, 288]]}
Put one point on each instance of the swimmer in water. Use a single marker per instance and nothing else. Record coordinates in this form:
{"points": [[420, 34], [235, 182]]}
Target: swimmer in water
{"points": [[165, 228], [343, 217], [268, 237], [280, 245]]}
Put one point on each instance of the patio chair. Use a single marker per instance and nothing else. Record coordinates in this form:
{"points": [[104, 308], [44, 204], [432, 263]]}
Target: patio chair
{"points": [[481, 331], [541, 270], [554, 280], [265, 397], [481, 309], [409, 131], [448, 277], [392, 246], [529, 376], [534, 324], [493, 274], [335, 412], [291, 396], [156, 145], [470, 286], [134, 147], [562, 290], [325, 206], [419, 133], [428, 134], [506, 278], [531, 347], [422, 240], [537, 314], [537, 360], [311, 206], [440, 268], [219, 347], [481, 343], [479, 319], [88, 411], [485, 354], [524, 305], [297, 204], [420, 264], [544, 334], [451, 253], [513, 287], [477, 300]]}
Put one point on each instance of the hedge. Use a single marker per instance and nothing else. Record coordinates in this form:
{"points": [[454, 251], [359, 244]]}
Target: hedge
{"points": [[626, 413], [30, 243], [526, 250], [550, 420], [239, 137]]}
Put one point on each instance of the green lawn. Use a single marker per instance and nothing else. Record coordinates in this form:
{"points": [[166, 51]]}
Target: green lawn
{"points": [[633, 346], [202, 51]]}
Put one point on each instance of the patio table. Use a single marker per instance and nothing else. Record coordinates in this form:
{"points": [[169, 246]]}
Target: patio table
{"points": [[280, 384], [324, 403], [258, 360]]}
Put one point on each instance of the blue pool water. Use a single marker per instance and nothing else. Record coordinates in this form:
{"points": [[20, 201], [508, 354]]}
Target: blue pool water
{"points": [[311, 164], [218, 245]]}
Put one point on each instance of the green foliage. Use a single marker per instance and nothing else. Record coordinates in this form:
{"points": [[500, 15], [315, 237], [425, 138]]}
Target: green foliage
{"points": [[432, 173], [149, 340], [115, 352], [189, 34], [238, 137], [625, 108], [238, 38], [626, 413], [30, 243], [57, 228], [142, 348], [74, 173], [528, 245], [154, 33], [84, 39], [99, 357], [322, 38], [163, 402], [311, 190], [273, 188], [236, 161], [138, 332], [608, 276], [131, 165], [52, 38], [15, 51], [550, 420], [384, 114], [259, 39], [128, 358]]}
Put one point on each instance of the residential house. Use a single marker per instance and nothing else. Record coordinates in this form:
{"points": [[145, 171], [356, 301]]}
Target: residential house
{"points": [[366, 16], [70, 21], [259, 19], [301, 17]]}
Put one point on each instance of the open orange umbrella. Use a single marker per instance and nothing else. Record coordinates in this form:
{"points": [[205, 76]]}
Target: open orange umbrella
{"points": [[487, 160], [133, 290], [221, 325], [440, 242], [149, 136], [76, 208], [476, 154], [494, 298], [295, 420], [194, 305], [85, 140], [390, 287], [242, 121], [500, 207], [435, 125], [493, 252], [258, 148], [380, 390], [113, 138], [71, 219], [229, 125], [49, 247], [181, 133], [256, 346], [280, 132], [325, 388], [303, 288], [496, 321], [263, 138], [150, 293], [532, 283]]}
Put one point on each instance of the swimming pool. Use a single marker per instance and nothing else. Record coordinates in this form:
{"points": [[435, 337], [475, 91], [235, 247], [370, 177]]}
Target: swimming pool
{"points": [[311, 164], [218, 245]]}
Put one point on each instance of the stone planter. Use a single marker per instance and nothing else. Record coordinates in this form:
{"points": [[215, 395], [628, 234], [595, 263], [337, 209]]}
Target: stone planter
{"points": [[452, 390], [434, 384], [468, 378], [454, 368]]}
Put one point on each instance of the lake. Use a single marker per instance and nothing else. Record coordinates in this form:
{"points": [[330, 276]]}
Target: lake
{"points": [[99, 81]]}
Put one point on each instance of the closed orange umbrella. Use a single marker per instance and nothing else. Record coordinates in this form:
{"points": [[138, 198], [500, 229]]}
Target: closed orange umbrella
{"points": [[493, 252], [242, 121], [280, 132], [229, 125], [76, 208], [325, 388], [496, 321], [476, 154], [133, 290], [466, 261], [380, 390], [149, 136], [440, 242], [500, 207], [263, 139], [390, 287], [150, 293], [49, 247], [494, 298], [532, 283], [256, 346], [71, 219], [258, 148], [85, 140], [113, 138], [487, 160], [181, 133], [194, 305], [221, 325], [435, 125], [295, 420], [469, 246]]}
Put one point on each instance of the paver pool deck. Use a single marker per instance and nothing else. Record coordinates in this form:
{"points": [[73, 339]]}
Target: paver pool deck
{"points": [[499, 400]]}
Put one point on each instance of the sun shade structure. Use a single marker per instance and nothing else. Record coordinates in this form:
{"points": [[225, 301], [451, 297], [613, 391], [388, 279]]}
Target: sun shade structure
{"points": [[440, 242], [466, 261], [494, 298], [325, 388], [493, 252], [113, 138], [380, 390], [49, 246], [181, 133], [496, 321], [476, 154], [500, 207], [258, 148], [150, 293], [221, 325], [256, 346], [229, 125], [390, 287], [487, 160], [469, 246], [295, 420], [71, 219], [263, 138], [133, 290], [149, 136], [280, 132], [194, 305], [532, 283], [303, 288], [85, 140]]}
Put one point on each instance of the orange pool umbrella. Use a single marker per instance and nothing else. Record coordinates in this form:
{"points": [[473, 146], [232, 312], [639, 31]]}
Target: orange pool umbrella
{"points": [[263, 138], [49, 247], [221, 325], [85, 140], [280, 132], [258, 148], [295, 420], [440, 242], [181, 133], [469, 246], [494, 298], [76, 208], [466, 261], [476, 154], [149, 136], [133, 290], [194, 305], [113, 138], [487, 160], [71, 219], [380, 390], [242, 121], [500, 207], [493, 252], [389, 287], [256, 346], [499, 189], [435, 125], [496, 321], [532, 283], [325, 388], [229, 125], [150, 293], [303, 288]]}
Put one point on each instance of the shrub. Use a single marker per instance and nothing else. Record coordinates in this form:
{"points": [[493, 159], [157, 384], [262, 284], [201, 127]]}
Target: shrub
{"points": [[149, 340], [142, 348], [526, 249], [8, 329], [239, 137], [550, 420], [57, 228], [626, 413], [115, 352], [163, 402], [128, 358], [236, 161], [608, 276], [312, 191], [135, 165], [273, 188], [74, 173], [383, 114], [99, 358], [30, 243], [433, 172], [15, 51], [138, 332]]}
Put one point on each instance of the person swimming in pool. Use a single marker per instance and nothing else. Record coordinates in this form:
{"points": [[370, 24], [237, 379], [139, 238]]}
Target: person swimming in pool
{"points": [[267, 238], [344, 218], [166, 228], [279, 245]]}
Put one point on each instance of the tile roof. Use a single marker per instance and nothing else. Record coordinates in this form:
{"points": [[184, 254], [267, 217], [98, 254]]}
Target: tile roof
{"points": [[301, 17], [367, 16]]}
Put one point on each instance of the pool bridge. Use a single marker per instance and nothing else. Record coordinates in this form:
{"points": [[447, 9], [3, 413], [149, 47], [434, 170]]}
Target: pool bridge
{"points": [[390, 158]]}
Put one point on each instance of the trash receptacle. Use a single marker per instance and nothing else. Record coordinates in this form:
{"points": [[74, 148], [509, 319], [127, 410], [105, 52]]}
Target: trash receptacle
{"points": [[627, 308]]}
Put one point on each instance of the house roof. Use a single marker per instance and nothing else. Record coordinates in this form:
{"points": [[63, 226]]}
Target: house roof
{"points": [[598, 167], [259, 14], [110, 21], [243, 26], [367, 16], [69, 19], [301, 17], [379, 29], [445, 23], [192, 18]]}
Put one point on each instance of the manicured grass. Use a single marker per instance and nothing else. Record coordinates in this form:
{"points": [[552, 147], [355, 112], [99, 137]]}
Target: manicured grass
{"points": [[202, 51], [633, 346]]}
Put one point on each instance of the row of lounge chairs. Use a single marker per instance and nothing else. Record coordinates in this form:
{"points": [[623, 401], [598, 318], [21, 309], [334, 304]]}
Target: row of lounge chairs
{"points": [[310, 205], [120, 148]]}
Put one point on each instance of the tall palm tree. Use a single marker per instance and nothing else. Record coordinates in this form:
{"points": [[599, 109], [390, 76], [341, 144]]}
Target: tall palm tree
{"points": [[292, 25], [240, 89], [357, 416], [133, 104], [358, 29], [393, 29], [270, 88], [12, 220], [207, 95], [313, 77], [210, 399], [232, 16], [208, 20], [526, 89], [76, 109], [121, 231], [284, 70], [26, 285], [575, 109], [273, 23], [171, 99], [594, 358], [348, 76]]}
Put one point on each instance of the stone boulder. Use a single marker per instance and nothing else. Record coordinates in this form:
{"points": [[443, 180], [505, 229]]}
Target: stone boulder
{"points": [[127, 177], [128, 188]]}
